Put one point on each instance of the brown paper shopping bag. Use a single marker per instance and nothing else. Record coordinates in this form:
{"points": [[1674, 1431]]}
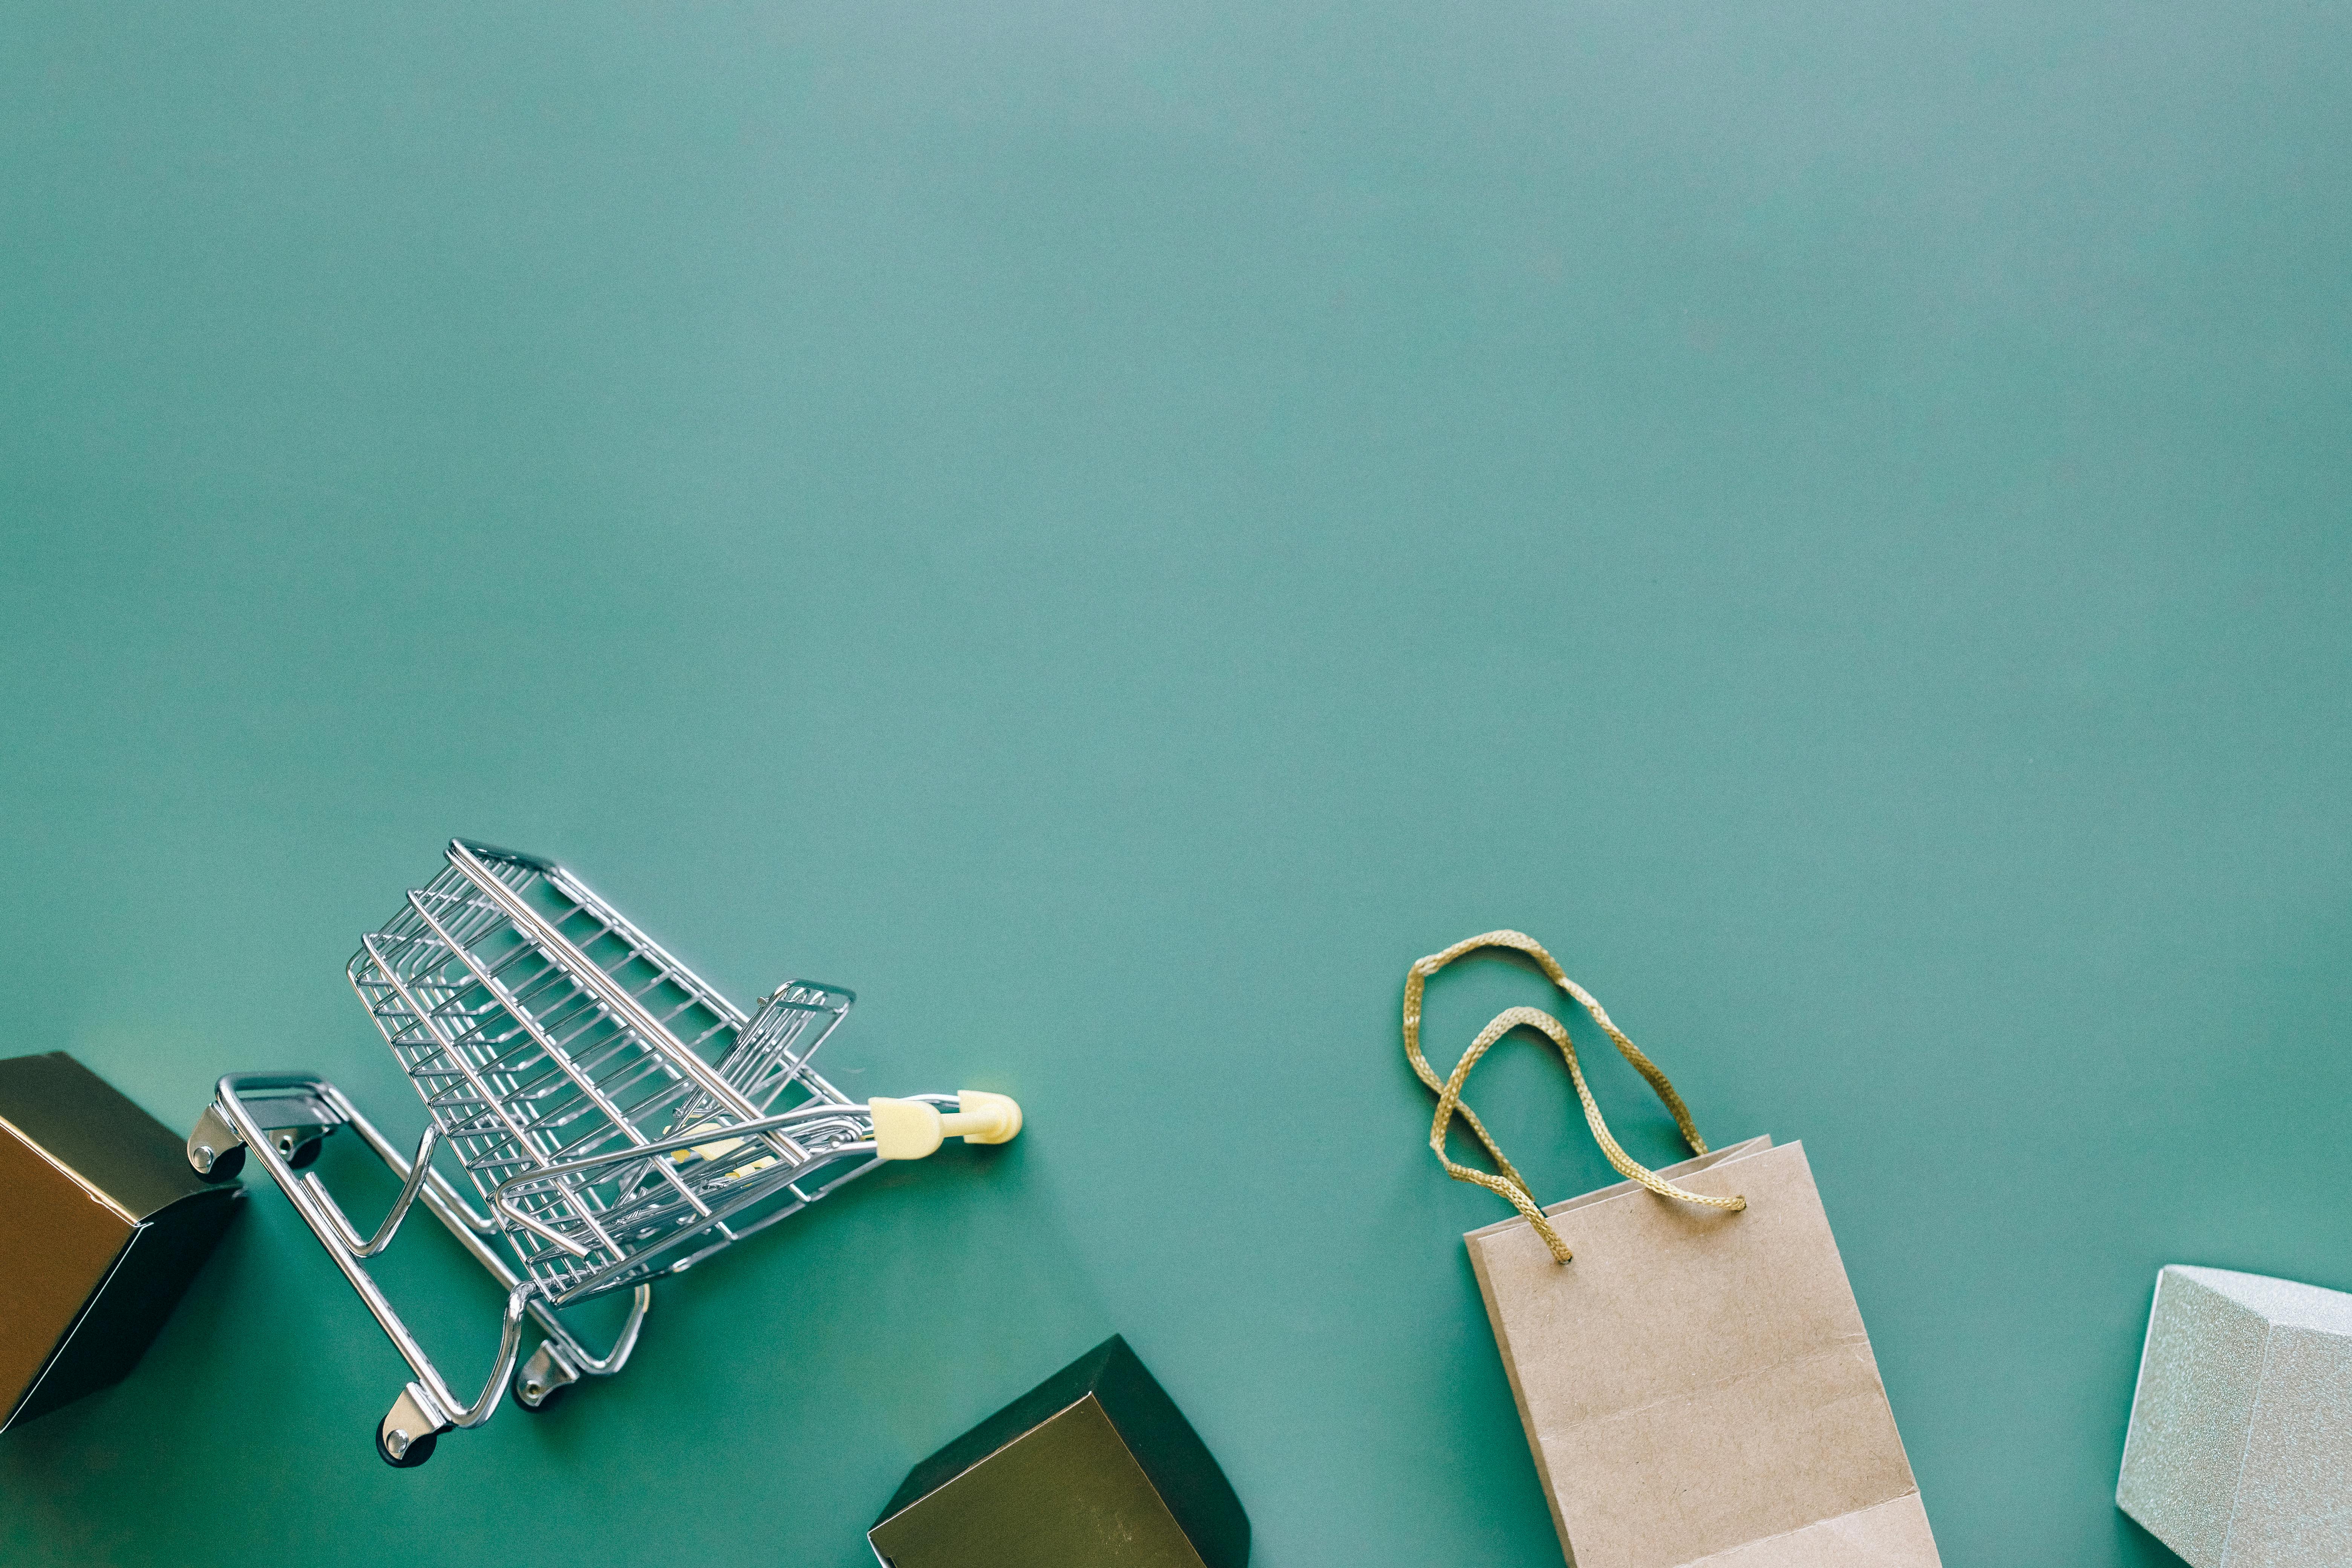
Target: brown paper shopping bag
{"points": [[1684, 1349]]}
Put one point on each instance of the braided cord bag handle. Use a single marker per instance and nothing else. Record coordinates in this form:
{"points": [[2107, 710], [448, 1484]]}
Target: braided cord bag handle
{"points": [[1510, 1184]]}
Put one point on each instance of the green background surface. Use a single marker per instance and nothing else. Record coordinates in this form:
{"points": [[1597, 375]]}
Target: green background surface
{"points": [[1111, 529]]}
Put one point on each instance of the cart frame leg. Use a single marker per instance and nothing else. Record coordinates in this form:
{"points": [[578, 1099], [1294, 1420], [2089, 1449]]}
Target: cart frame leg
{"points": [[427, 1406]]}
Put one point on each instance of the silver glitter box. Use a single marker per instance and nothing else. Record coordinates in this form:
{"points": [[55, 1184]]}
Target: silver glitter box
{"points": [[2239, 1452]]}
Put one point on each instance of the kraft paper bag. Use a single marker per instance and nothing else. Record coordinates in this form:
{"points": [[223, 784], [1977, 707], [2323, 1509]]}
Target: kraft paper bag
{"points": [[1687, 1355]]}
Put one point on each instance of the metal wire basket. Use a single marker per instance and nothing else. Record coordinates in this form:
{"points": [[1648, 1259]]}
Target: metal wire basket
{"points": [[619, 1118]]}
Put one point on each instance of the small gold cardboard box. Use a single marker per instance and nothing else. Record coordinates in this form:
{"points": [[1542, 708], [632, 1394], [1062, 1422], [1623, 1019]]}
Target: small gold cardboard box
{"points": [[1096, 1466], [103, 1224]]}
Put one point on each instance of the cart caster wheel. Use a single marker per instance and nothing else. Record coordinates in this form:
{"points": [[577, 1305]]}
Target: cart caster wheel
{"points": [[416, 1452], [545, 1378], [304, 1154], [216, 1152], [405, 1437], [535, 1396]]}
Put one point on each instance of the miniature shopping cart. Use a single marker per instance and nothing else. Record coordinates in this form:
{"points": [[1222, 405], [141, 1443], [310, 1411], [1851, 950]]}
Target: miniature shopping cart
{"points": [[618, 1118]]}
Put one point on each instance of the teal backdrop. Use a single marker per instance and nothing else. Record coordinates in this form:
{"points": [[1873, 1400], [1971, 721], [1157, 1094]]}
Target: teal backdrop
{"points": [[1111, 529]]}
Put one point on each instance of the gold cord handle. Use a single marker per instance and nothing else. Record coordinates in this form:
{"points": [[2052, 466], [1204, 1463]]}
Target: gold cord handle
{"points": [[1510, 1184]]}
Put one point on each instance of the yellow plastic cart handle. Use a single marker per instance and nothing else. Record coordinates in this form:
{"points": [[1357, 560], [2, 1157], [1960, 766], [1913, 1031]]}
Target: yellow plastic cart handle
{"points": [[911, 1129]]}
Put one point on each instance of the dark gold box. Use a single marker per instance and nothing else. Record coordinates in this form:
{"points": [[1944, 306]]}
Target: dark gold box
{"points": [[1095, 1467], [103, 1224]]}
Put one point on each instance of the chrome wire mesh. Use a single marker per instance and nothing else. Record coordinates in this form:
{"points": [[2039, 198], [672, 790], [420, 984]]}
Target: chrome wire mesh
{"points": [[550, 1040]]}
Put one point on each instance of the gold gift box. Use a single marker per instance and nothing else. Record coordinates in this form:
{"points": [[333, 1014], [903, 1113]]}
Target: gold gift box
{"points": [[103, 1224], [1094, 1467]]}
